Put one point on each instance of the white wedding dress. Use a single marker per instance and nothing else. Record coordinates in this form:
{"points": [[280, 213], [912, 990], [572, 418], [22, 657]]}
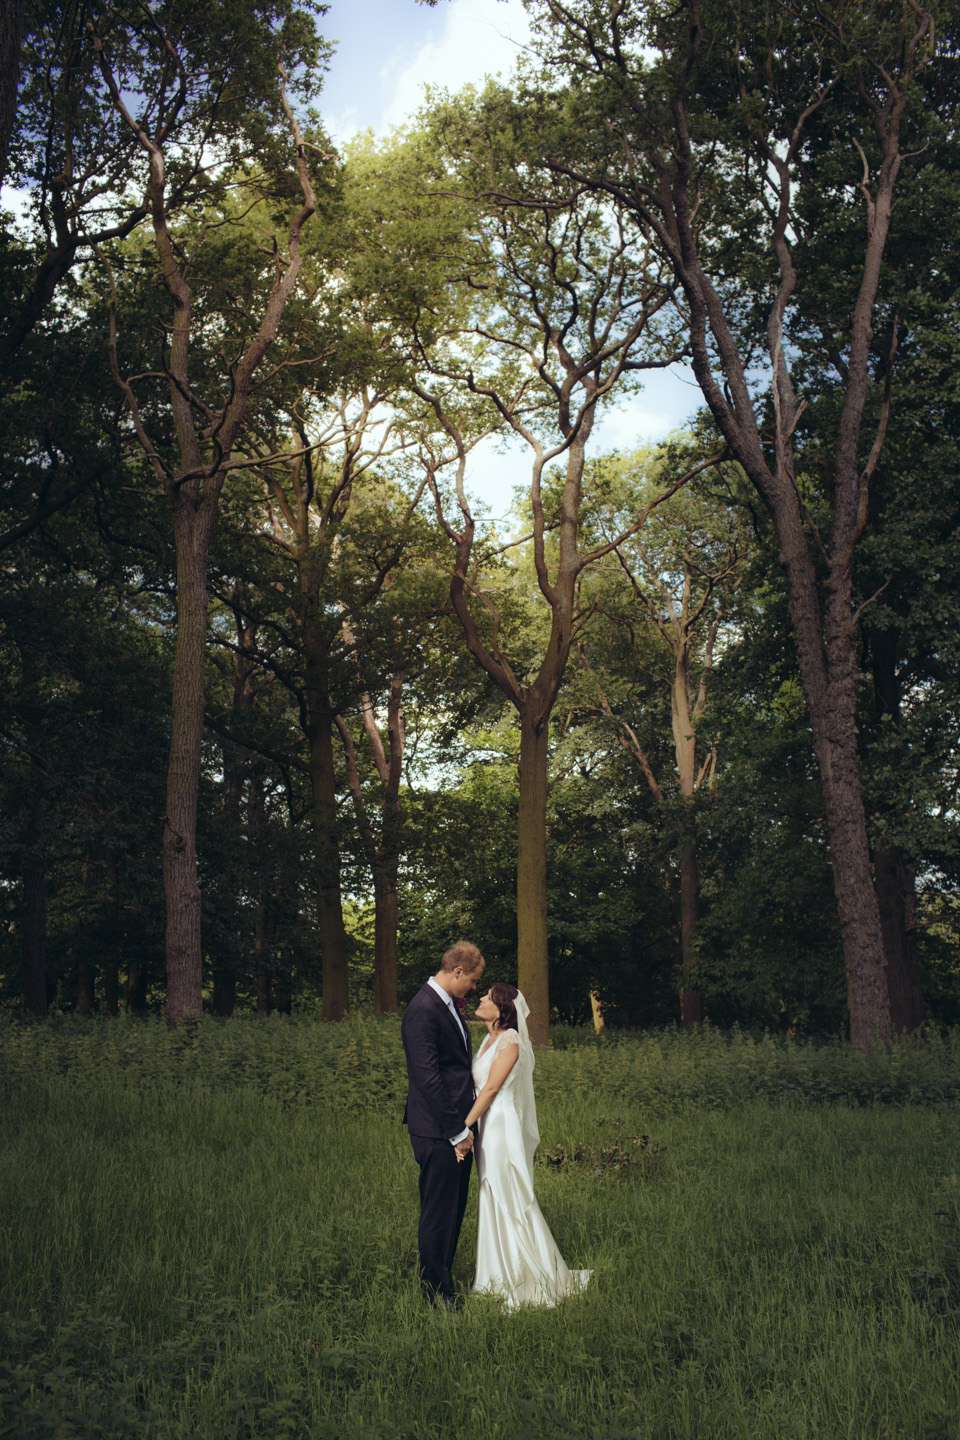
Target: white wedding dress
{"points": [[517, 1257]]}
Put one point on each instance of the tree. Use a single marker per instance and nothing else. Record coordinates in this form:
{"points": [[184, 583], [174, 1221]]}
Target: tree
{"points": [[568, 306], [333, 528], [12, 25], [396, 656], [683, 571], [192, 463], [740, 117]]}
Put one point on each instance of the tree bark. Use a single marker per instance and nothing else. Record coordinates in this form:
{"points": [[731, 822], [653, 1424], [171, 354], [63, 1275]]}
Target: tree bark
{"points": [[236, 768], [85, 988], [224, 990], [12, 17], [385, 927], [894, 879], [111, 957], [33, 962], [383, 851], [332, 932], [181, 885], [33, 965], [896, 893], [685, 746], [532, 970], [386, 923], [84, 978], [691, 1002], [281, 995], [263, 994], [830, 692], [136, 994]]}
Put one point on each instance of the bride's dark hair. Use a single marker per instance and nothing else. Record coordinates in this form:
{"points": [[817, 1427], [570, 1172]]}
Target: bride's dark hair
{"points": [[503, 996]]}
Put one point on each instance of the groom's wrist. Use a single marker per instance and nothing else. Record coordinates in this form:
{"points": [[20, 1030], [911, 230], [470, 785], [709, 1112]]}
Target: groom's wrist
{"points": [[462, 1136]]}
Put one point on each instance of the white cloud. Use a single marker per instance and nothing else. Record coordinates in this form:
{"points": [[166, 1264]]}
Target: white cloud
{"points": [[480, 37], [668, 400]]}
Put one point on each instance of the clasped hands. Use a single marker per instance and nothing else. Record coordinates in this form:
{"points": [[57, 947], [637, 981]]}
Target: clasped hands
{"points": [[463, 1147]]}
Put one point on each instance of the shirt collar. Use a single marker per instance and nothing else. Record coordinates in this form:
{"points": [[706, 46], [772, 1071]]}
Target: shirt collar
{"points": [[447, 999]]}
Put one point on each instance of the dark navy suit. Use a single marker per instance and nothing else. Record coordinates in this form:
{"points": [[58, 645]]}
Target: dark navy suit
{"points": [[439, 1094]]}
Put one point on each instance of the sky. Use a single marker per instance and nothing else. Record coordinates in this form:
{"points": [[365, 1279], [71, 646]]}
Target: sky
{"points": [[388, 51]]}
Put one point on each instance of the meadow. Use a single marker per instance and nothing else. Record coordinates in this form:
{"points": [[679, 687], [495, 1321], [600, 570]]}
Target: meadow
{"points": [[212, 1234]]}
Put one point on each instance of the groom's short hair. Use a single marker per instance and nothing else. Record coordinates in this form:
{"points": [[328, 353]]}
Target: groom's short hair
{"points": [[462, 956]]}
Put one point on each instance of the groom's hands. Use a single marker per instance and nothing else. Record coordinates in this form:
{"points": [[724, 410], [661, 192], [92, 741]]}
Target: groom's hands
{"points": [[464, 1146]]}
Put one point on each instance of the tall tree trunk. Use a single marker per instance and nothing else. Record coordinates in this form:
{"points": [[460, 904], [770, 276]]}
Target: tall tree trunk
{"points": [[33, 961], [894, 878], [237, 767], [857, 906], [385, 927], [12, 15], [691, 1002], [180, 882], [383, 853], [829, 676], [280, 989], [896, 893], [33, 964], [84, 979], [263, 950], [685, 746], [332, 932], [224, 989], [532, 969], [386, 924], [111, 949], [84, 983], [111, 988], [84, 988], [136, 992]]}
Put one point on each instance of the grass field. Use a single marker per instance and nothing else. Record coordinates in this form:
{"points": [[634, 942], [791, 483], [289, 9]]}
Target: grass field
{"points": [[213, 1235]]}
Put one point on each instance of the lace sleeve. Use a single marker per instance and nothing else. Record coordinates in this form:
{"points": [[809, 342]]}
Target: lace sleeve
{"points": [[506, 1037]]}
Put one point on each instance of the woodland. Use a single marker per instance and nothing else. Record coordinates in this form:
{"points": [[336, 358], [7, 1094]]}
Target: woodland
{"points": [[289, 702]]}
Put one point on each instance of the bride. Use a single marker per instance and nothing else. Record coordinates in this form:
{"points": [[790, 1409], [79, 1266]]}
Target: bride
{"points": [[517, 1257]]}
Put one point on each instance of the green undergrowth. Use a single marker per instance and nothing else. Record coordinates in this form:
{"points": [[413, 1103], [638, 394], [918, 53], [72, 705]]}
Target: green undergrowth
{"points": [[186, 1253], [358, 1064]]}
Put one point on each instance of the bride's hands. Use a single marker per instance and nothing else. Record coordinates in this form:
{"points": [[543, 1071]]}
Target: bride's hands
{"points": [[464, 1147]]}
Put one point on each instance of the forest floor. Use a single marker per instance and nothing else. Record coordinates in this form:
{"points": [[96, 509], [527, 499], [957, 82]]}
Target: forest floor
{"points": [[213, 1235]]}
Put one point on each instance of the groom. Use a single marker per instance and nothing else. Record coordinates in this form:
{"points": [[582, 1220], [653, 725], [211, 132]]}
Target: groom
{"points": [[440, 1091]]}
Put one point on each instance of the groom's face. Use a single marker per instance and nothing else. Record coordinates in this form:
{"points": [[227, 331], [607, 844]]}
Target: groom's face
{"points": [[465, 981]]}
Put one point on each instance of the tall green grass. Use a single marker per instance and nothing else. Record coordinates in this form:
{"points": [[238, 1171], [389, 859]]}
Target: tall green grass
{"points": [[358, 1065], [213, 1235]]}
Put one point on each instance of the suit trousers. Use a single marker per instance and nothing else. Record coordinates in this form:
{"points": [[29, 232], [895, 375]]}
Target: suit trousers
{"points": [[444, 1183]]}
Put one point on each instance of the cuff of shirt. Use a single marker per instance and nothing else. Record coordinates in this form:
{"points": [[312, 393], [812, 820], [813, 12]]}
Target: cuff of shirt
{"points": [[462, 1136]]}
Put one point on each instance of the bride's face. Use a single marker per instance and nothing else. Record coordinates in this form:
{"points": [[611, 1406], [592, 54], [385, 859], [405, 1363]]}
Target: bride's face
{"points": [[487, 1010]]}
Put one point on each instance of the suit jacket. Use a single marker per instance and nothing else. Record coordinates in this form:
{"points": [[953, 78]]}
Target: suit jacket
{"points": [[439, 1067]]}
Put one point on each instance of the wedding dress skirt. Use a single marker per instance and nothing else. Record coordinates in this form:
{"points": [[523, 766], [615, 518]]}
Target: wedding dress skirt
{"points": [[517, 1257]]}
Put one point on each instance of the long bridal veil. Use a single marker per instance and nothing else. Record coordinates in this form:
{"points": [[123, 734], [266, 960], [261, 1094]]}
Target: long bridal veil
{"points": [[526, 1104]]}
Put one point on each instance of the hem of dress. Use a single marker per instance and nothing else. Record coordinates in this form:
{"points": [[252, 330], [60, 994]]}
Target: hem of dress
{"points": [[544, 1300]]}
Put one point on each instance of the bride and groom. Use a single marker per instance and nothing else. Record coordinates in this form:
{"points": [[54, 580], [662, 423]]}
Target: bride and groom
{"points": [[459, 1105]]}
